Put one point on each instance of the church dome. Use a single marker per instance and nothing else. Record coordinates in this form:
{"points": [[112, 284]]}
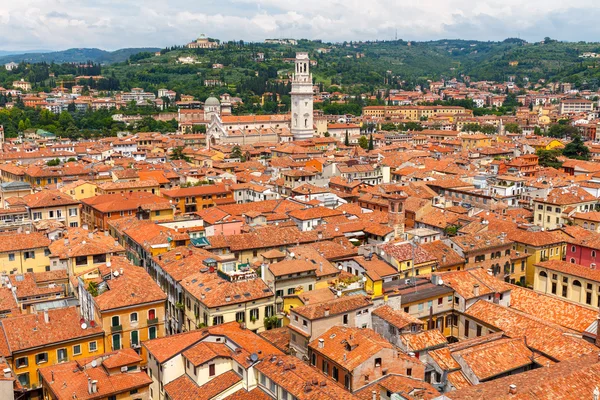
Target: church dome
{"points": [[212, 102]]}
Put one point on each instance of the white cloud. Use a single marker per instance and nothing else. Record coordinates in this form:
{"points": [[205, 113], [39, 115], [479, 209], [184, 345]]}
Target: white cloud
{"points": [[112, 24]]}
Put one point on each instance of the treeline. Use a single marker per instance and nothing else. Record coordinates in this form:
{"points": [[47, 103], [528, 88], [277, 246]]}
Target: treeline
{"points": [[75, 125]]}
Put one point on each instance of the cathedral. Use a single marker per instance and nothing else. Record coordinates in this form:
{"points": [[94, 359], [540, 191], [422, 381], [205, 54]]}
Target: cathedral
{"points": [[224, 128]]}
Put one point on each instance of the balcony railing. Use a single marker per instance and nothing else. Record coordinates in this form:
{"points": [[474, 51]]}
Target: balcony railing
{"points": [[116, 328], [153, 321]]}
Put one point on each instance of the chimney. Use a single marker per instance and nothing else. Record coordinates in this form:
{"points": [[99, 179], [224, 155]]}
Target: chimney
{"points": [[512, 389], [7, 373], [320, 267], [90, 385], [105, 233], [476, 290], [177, 256], [94, 386], [90, 235], [374, 393], [327, 311], [46, 316], [444, 259], [321, 343], [66, 241], [51, 373]]}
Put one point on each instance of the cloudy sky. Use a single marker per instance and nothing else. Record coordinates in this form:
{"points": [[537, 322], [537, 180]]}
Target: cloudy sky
{"points": [[114, 24]]}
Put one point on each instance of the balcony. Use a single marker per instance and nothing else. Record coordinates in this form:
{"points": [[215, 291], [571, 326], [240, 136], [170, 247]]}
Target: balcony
{"points": [[153, 321], [116, 328]]}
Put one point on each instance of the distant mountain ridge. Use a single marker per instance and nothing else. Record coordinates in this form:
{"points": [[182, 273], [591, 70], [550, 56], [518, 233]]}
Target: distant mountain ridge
{"points": [[76, 55]]}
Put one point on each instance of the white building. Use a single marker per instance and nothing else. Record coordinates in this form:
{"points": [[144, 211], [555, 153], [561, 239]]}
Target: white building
{"points": [[302, 99]]}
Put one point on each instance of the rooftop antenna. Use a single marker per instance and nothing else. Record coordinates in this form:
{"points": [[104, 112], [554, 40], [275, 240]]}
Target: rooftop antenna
{"points": [[396, 37]]}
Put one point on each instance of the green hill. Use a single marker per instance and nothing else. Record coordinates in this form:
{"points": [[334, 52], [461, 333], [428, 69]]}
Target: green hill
{"points": [[76, 56]]}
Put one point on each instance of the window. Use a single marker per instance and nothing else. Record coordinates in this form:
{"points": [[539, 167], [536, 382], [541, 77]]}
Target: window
{"points": [[76, 349], [116, 342], [24, 379], [409, 371], [81, 260], [313, 359], [22, 362], [335, 373], [440, 301], [11, 256], [478, 330], [377, 362], [133, 318], [152, 331], [217, 320], [41, 358], [92, 346], [72, 212], [325, 367], [28, 254], [291, 291], [466, 328], [152, 313], [135, 338], [240, 316], [115, 321], [254, 314], [345, 319], [61, 355], [211, 370]]}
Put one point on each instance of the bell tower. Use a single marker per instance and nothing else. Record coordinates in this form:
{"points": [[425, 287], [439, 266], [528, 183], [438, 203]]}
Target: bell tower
{"points": [[302, 99], [396, 214]]}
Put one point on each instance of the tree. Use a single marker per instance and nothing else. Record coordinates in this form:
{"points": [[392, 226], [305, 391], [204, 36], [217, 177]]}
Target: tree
{"points": [[576, 149], [347, 139], [561, 130], [53, 163], [512, 128], [236, 152], [363, 142], [177, 154], [549, 158], [327, 134], [371, 146]]}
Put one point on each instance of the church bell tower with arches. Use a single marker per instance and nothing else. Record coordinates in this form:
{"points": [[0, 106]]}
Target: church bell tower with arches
{"points": [[302, 99]]}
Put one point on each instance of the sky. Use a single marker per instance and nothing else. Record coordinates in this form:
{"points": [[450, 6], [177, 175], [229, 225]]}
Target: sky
{"points": [[114, 24]]}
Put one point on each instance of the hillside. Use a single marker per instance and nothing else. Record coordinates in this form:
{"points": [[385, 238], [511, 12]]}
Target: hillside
{"points": [[75, 56]]}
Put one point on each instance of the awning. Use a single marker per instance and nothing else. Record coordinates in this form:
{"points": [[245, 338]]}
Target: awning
{"points": [[200, 242]]}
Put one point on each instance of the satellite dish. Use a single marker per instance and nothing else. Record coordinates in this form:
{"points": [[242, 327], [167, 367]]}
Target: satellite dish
{"points": [[84, 326], [94, 363], [292, 255], [108, 264], [116, 273], [440, 282], [254, 357]]}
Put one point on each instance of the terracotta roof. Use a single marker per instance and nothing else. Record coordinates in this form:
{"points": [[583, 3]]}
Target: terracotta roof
{"points": [[397, 318], [67, 380], [297, 378], [184, 388], [334, 307], [27, 331], [48, 198], [494, 358], [132, 287], [213, 291], [22, 241], [570, 380], [545, 337], [571, 269], [552, 309], [423, 340]]}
